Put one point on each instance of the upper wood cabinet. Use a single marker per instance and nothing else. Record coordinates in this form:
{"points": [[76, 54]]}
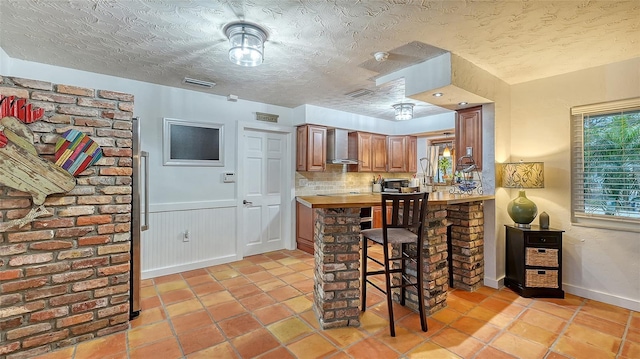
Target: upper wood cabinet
{"points": [[412, 154], [370, 150], [311, 154], [396, 153], [378, 153], [402, 154], [469, 133]]}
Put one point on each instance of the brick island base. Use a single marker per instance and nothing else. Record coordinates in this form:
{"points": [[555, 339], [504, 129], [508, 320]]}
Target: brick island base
{"points": [[337, 259]]}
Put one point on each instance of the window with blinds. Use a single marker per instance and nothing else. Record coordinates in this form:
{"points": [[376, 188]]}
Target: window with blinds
{"points": [[606, 164]]}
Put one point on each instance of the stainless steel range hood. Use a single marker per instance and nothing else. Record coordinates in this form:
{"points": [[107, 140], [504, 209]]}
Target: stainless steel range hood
{"points": [[338, 147]]}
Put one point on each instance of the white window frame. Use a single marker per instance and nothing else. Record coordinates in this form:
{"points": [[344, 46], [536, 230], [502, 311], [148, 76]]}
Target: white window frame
{"points": [[579, 217]]}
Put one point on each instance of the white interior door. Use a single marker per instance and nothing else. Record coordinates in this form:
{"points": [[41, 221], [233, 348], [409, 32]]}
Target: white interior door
{"points": [[263, 171]]}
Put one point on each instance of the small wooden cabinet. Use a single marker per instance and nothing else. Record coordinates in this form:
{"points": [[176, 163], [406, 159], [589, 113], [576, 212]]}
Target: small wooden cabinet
{"points": [[534, 261], [402, 153], [370, 150], [311, 153], [469, 134], [305, 224]]}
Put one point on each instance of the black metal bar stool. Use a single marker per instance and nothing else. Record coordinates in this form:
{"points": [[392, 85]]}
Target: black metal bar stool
{"points": [[402, 229]]}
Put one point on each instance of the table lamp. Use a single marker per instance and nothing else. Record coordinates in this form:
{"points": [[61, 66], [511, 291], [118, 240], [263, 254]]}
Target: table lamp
{"points": [[522, 175]]}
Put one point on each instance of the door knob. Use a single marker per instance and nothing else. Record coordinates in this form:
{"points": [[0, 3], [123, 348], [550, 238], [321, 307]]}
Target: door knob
{"points": [[246, 202]]}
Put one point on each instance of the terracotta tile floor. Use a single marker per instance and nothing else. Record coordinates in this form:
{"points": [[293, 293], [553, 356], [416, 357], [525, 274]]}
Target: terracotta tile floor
{"points": [[261, 307]]}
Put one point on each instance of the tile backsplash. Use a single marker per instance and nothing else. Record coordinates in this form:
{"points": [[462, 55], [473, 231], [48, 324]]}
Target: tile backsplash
{"points": [[336, 179]]}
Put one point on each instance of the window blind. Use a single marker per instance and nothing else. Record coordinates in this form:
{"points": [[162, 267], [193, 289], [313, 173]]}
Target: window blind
{"points": [[605, 154]]}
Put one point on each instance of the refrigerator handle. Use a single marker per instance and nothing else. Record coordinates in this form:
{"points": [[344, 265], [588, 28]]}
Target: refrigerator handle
{"points": [[145, 154]]}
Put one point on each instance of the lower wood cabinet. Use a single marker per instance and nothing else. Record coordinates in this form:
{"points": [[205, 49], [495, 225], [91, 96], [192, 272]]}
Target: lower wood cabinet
{"points": [[376, 216], [305, 223], [534, 261]]}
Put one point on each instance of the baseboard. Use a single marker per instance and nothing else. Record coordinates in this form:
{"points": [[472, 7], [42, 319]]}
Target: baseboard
{"points": [[153, 273], [628, 303], [490, 282]]}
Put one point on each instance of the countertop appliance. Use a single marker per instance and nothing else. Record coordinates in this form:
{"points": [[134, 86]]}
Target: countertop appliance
{"points": [[394, 184], [140, 188]]}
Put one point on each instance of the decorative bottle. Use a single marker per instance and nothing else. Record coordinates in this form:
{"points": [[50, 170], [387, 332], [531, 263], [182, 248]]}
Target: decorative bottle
{"points": [[544, 220]]}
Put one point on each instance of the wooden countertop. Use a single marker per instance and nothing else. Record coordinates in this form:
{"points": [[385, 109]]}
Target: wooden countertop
{"points": [[373, 199]]}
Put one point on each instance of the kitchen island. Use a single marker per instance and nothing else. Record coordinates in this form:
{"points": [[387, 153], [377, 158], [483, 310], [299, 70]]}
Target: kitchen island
{"points": [[337, 251]]}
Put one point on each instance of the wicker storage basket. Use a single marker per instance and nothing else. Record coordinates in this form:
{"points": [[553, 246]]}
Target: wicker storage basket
{"points": [[541, 257], [541, 278]]}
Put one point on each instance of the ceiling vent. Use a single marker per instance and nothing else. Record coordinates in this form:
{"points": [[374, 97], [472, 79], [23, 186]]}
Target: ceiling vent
{"points": [[196, 82], [359, 93]]}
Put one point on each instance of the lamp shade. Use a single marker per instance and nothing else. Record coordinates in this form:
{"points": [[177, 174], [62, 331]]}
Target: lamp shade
{"points": [[246, 44], [523, 175], [403, 111]]}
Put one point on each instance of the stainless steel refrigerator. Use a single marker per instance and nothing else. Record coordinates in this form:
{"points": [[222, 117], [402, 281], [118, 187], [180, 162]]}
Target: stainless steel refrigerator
{"points": [[140, 190]]}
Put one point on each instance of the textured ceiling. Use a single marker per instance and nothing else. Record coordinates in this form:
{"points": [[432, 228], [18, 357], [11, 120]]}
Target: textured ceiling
{"points": [[319, 50]]}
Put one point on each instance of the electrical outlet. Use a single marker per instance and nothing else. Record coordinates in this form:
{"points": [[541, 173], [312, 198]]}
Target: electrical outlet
{"points": [[302, 182], [186, 236]]}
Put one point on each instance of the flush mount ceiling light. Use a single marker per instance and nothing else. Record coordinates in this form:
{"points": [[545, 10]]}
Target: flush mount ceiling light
{"points": [[438, 94], [246, 42], [404, 111], [381, 56]]}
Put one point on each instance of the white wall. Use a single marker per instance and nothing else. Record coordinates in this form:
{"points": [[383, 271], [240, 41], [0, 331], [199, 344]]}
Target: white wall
{"points": [[598, 264]]}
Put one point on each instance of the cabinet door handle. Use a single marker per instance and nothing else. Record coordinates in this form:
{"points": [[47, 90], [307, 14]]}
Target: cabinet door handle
{"points": [[543, 239]]}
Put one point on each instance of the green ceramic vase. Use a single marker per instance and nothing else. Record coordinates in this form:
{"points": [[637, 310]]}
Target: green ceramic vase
{"points": [[522, 210]]}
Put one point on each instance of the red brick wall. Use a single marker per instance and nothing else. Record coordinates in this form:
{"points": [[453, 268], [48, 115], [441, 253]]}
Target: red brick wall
{"points": [[65, 278]]}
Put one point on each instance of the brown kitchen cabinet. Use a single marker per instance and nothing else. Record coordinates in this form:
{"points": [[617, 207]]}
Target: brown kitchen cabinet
{"points": [[402, 153], [305, 223], [311, 153], [370, 150], [379, 153], [376, 216], [412, 154], [469, 133]]}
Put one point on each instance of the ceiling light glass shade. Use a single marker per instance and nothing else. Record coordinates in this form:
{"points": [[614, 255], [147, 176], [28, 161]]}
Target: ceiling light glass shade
{"points": [[246, 44], [404, 111], [522, 175]]}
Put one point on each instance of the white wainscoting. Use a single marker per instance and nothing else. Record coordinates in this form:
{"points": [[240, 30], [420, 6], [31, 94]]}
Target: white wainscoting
{"points": [[212, 237]]}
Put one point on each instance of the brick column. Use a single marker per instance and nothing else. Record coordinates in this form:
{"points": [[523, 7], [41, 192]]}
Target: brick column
{"points": [[337, 267], [467, 235], [436, 272]]}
